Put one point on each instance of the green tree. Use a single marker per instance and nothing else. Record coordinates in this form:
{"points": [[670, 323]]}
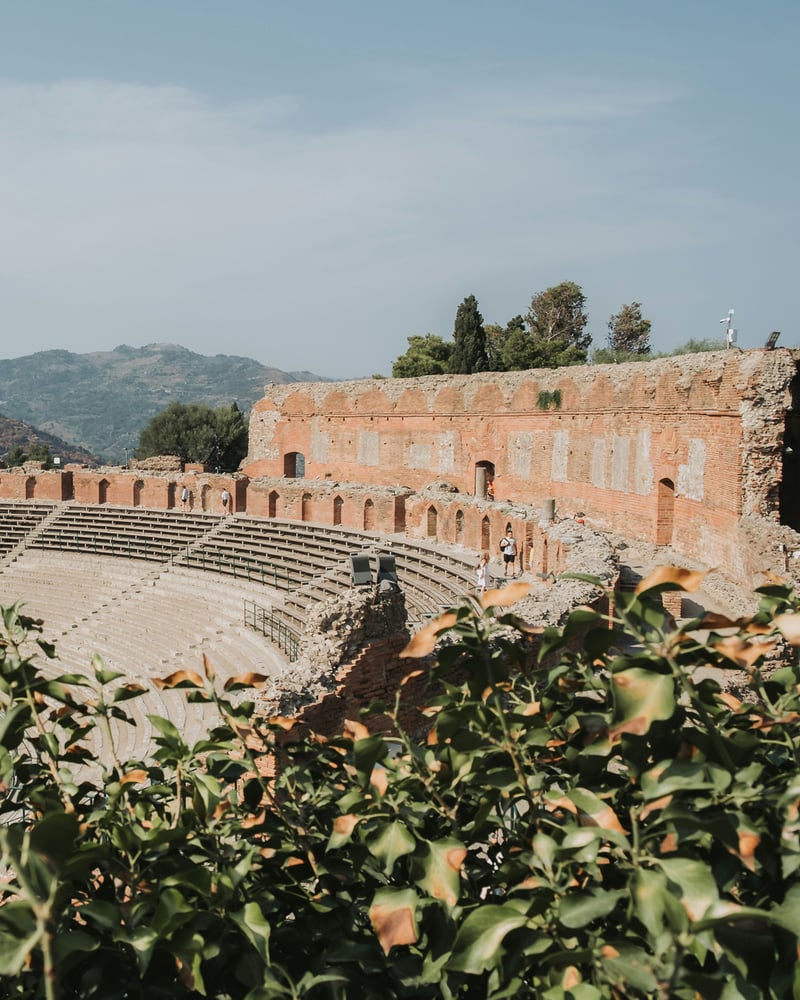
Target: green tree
{"points": [[196, 433], [469, 340], [496, 339], [40, 452], [628, 331], [428, 355], [697, 347], [16, 456], [586, 815], [557, 322]]}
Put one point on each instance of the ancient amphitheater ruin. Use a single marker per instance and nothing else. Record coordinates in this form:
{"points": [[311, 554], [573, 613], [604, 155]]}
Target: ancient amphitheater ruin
{"points": [[597, 469]]}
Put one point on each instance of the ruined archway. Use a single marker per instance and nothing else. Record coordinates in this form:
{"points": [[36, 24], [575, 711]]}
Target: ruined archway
{"points": [[400, 514], [486, 534], [170, 496], [338, 503], [432, 527], [305, 507], [138, 492], [369, 515], [102, 491], [30, 488], [459, 527], [484, 475], [665, 512], [272, 503], [294, 465]]}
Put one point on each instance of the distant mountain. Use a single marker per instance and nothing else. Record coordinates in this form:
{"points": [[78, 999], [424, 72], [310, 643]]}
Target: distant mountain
{"points": [[101, 401], [17, 432]]}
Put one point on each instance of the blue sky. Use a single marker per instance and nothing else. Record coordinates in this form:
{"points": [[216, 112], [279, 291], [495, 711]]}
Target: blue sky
{"points": [[309, 183]]}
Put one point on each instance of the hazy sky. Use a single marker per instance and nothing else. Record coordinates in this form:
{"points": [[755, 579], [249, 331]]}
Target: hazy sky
{"points": [[310, 182]]}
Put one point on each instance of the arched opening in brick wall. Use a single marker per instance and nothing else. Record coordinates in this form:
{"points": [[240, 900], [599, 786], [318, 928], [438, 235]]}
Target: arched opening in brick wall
{"points": [[205, 502], [102, 491], [30, 487], [294, 465], [138, 492], [789, 491], [171, 495], [459, 527], [399, 513], [240, 495], [272, 503], [486, 534], [484, 474], [369, 515], [665, 512], [338, 503], [433, 522], [305, 507]]}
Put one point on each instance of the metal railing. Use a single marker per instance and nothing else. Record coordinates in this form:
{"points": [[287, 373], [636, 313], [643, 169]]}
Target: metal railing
{"points": [[263, 620]]}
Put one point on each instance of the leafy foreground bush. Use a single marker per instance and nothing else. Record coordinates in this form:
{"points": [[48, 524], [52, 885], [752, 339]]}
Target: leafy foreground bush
{"points": [[586, 818]]}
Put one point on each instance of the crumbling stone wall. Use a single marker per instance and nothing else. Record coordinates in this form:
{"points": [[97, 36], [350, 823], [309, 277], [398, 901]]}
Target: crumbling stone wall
{"points": [[674, 450]]}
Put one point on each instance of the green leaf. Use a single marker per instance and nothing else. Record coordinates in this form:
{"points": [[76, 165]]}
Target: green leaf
{"points": [[54, 836], [693, 882], [441, 876], [480, 938], [640, 698], [391, 841], [255, 927], [581, 908]]}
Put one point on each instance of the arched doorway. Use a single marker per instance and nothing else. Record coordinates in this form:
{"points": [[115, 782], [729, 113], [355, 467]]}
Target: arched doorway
{"points": [[400, 514], [665, 512], [484, 474], [305, 507], [102, 491], [294, 465], [205, 503], [338, 503], [138, 491], [486, 534], [433, 522], [369, 515], [272, 504], [30, 488], [459, 527]]}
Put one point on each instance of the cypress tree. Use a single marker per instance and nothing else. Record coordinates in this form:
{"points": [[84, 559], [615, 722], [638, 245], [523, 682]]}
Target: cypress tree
{"points": [[469, 340]]}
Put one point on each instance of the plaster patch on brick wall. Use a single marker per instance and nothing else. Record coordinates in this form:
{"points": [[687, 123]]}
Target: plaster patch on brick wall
{"points": [[560, 456], [643, 475], [368, 448], [262, 433], [319, 444], [447, 452], [520, 449], [620, 462], [691, 476], [419, 456], [599, 464]]}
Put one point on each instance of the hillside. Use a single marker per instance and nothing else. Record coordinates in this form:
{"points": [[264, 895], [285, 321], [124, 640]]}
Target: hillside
{"points": [[101, 401], [17, 432]]}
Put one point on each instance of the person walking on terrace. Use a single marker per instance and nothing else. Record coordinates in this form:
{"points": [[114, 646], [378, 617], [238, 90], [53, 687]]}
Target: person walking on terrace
{"points": [[483, 572], [508, 546]]}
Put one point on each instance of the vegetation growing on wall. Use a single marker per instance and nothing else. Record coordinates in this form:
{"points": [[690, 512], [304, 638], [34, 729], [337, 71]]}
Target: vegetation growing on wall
{"points": [[588, 816]]}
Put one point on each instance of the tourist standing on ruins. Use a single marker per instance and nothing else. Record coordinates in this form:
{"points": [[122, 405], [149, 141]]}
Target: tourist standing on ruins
{"points": [[483, 572], [226, 497], [508, 546], [184, 497]]}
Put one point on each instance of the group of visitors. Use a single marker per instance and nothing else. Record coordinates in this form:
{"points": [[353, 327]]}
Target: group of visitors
{"points": [[187, 500], [509, 552]]}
